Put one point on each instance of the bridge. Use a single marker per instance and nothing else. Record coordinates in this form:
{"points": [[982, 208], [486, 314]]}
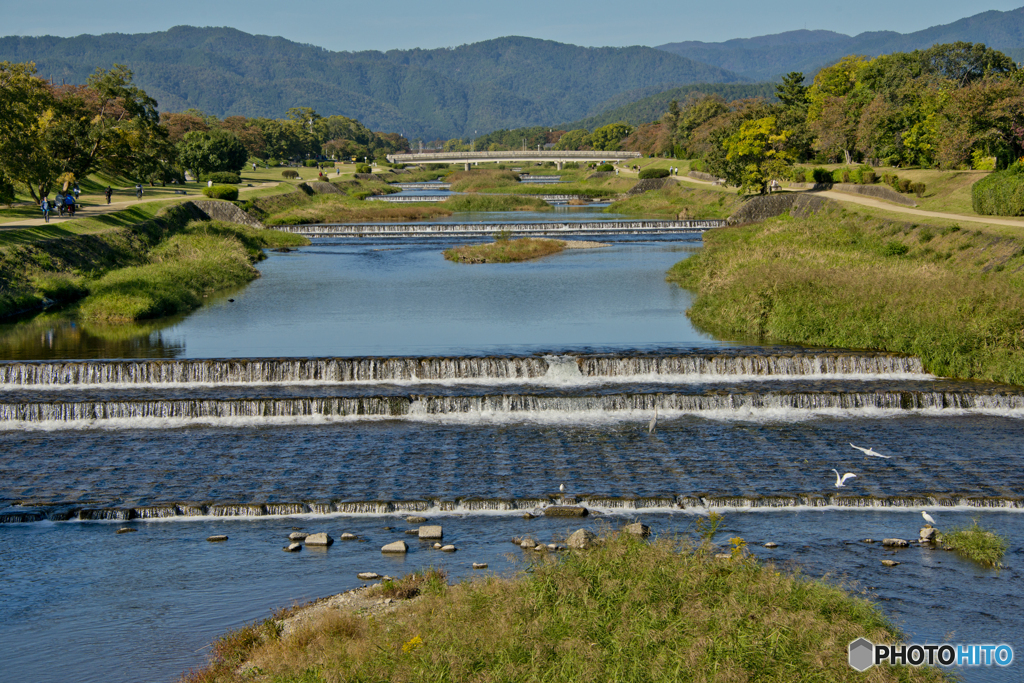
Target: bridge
{"points": [[559, 157]]}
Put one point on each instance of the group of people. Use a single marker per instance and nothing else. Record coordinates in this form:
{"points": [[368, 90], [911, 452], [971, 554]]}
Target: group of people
{"points": [[67, 202]]}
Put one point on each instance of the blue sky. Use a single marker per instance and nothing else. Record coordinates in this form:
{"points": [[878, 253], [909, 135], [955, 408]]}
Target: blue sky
{"points": [[402, 24]]}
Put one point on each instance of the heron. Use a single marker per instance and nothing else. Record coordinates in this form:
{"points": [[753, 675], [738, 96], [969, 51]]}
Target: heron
{"points": [[841, 480], [654, 421], [871, 451], [927, 517]]}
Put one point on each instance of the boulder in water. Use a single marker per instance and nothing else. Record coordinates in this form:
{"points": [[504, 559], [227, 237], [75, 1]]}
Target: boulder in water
{"points": [[771, 544], [292, 547], [412, 532], [431, 532], [448, 549], [638, 529], [415, 519], [216, 539], [527, 543], [126, 530], [348, 537], [566, 511], [890, 563], [479, 565], [927, 535], [895, 543], [297, 536], [367, 576], [581, 539], [396, 547], [322, 539]]}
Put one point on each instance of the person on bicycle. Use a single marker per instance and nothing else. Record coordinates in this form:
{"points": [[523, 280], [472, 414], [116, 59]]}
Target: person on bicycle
{"points": [[138, 190], [69, 204], [107, 193]]}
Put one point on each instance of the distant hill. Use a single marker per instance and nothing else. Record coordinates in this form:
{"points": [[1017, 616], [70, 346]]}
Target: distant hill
{"points": [[768, 57], [651, 108], [503, 83]]}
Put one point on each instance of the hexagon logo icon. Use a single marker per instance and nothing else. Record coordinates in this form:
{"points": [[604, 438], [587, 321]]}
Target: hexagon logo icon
{"points": [[862, 654]]}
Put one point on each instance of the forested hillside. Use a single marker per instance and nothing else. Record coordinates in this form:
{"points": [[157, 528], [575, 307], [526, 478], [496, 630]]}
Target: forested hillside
{"points": [[441, 93], [768, 57]]}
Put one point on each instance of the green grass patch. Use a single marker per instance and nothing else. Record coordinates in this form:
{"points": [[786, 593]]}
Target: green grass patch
{"points": [[676, 201], [505, 250], [495, 203], [840, 278], [625, 611], [976, 544], [204, 257]]}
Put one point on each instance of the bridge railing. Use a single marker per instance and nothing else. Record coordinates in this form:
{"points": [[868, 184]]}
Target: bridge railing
{"points": [[518, 156]]}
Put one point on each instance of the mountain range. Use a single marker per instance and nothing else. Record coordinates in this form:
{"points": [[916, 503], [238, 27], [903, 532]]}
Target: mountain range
{"points": [[472, 89], [766, 58]]}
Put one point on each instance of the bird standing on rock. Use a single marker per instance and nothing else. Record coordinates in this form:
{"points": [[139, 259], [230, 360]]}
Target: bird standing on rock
{"points": [[927, 517]]}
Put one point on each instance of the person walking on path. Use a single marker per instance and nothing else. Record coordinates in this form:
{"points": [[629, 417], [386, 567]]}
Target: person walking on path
{"points": [[138, 190], [58, 201], [107, 193], [45, 206]]}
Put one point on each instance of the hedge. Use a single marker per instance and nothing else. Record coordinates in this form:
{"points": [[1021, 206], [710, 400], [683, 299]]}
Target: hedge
{"points": [[290, 174], [363, 168], [221, 192], [224, 178], [1000, 194], [653, 173], [605, 168]]}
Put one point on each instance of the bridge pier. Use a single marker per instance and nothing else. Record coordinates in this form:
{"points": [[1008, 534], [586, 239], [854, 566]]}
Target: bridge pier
{"points": [[558, 165], [467, 165]]}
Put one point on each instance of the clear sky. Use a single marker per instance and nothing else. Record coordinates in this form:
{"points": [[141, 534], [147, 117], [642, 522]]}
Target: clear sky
{"points": [[402, 24]]}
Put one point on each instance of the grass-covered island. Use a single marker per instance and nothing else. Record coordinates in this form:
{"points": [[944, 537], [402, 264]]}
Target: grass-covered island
{"points": [[624, 610], [504, 249]]}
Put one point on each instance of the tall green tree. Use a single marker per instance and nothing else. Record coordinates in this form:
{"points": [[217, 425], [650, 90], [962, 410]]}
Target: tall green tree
{"points": [[758, 152], [206, 152], [607, 138]]}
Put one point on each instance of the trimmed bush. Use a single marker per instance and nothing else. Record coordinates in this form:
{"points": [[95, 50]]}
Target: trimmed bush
{"points": [[890, 179], [605, 168], [918, 188], [653, 173], [903, 185], [290, 174], [363, 168], [867, 178], [819, 175], [224, 178], [327, 164], [1000, 193], [221, 192]]}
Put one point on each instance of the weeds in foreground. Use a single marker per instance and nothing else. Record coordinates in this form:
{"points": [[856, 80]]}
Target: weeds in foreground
{"points": [[977, 544], [627, 610]]}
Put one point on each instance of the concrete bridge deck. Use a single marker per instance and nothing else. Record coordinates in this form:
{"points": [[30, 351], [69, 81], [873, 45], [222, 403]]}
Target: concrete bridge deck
{"points": [[559, 157]]}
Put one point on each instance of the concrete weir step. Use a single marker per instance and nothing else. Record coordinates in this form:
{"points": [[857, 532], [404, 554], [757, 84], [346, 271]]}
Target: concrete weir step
{"points": [[475, 229]]}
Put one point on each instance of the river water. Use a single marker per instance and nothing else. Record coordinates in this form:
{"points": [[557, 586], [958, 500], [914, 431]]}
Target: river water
{"points": [[359, 381]]}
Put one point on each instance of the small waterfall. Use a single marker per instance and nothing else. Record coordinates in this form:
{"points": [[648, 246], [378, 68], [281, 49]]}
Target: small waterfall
{"points": [[21, 517], [562, 369], [794, 365], [236, 510], [286, 509], [157, 512], [106, 515]]}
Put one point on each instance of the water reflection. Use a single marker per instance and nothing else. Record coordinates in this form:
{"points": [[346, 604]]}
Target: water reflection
{"points": [[51, 336]]}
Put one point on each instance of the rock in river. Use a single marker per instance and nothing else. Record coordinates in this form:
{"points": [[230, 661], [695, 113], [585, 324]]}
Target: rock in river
{"points": [[293, 547], [431, 532], [581, 539], [321, 539], [396, 547]]}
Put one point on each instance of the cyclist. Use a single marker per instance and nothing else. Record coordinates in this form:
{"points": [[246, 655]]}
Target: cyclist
{"points": [[138, 190]]}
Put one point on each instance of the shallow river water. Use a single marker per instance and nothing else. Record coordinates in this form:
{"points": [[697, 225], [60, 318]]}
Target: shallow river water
{"points": [[359, 381]]}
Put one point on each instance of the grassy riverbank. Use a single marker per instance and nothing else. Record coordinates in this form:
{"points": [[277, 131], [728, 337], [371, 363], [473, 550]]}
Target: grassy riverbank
{"points": [[677, 201], [505, 250], [954, 297], [344, 203], [627, 610], [493, 202], [129, 253]]}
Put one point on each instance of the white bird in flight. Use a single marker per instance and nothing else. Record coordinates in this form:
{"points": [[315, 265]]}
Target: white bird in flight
{"points": [[841, 480], [871, 451], [654, 421], [927, 517], [561, 487]]}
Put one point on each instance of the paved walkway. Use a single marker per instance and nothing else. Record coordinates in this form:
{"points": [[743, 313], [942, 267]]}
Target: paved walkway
{"points": [[888, 206]]}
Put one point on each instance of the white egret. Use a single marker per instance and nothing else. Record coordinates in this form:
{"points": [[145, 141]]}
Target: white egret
{"points": [[841, 480], [871, 451], [561, 487], [927, 517], [654, 421]]}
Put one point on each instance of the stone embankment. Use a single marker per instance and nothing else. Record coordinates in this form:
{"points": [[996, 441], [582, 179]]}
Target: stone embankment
{"points": [[757, 209]]}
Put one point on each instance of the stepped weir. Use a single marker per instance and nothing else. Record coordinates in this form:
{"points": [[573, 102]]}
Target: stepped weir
{"points": [[486, 229]]}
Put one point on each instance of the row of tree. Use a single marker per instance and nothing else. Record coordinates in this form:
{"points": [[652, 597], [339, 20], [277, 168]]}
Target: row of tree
{"points": [[52, 135], [956, 105]]}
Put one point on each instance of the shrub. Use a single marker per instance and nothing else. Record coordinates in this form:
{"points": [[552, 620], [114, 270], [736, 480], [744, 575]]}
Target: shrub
{"points": [[918, 189], [981, 162], [890, 179], [653, 173], [895, 249], [697, 165], [571, 164], [903, 185], [867, 178], [977, 544], [363, 168], [605, 168], [846, 176], [820, 175], [309, 163], [1001, 193], [224, 178], [273, 162], [290, 174], [221, 192]]}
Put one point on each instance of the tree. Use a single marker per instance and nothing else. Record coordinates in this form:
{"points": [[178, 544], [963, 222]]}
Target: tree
{"points": [[217, 150], [574, 140], [607, 138], [963, 63], [792, 92], [758, 150]]}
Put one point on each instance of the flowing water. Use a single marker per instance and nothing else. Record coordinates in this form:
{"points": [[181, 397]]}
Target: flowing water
{"points": [[360, 381]]}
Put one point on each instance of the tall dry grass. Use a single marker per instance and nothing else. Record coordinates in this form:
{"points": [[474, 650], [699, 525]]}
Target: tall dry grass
{"points": [[953, 297]]}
